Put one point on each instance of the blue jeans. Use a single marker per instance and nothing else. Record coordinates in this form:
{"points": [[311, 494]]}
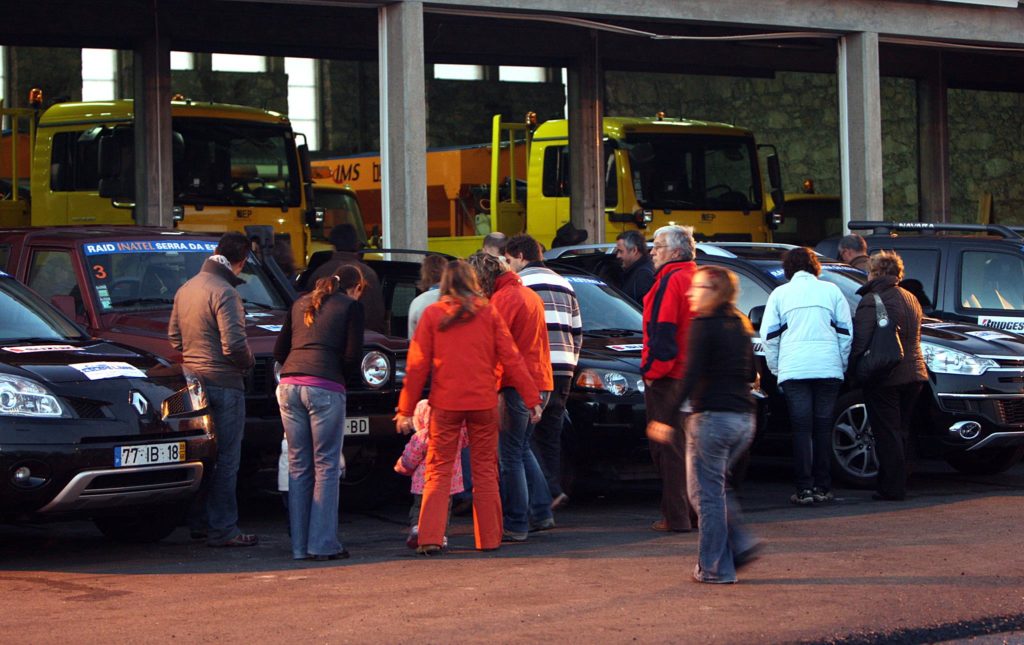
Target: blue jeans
{"points": [[314, 421], [714, 441], [811, 403], [525, 496], [227, 407]]}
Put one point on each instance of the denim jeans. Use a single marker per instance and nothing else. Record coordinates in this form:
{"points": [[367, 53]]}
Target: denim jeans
{"points": [[314, 421], [547, 435], [714, 442], [811, 404], [525, 496], [227, 407]]}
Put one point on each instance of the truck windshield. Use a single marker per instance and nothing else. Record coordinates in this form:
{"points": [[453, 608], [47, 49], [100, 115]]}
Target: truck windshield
{"points": [[135, 275], [339, 207], [234, 163], [691, 172]]}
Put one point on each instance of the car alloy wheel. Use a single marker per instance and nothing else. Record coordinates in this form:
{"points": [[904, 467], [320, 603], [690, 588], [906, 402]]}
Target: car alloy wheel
{"points": [[854, 460]]}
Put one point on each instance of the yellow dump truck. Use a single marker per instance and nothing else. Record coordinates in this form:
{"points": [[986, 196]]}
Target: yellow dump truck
{"points": [[233, 167]]}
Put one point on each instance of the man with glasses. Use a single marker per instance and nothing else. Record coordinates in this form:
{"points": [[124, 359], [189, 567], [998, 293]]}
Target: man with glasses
{"points": [[666, 324]]}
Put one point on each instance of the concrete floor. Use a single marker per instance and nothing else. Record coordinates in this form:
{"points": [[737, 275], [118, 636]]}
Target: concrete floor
{"points": [[946, 564]]}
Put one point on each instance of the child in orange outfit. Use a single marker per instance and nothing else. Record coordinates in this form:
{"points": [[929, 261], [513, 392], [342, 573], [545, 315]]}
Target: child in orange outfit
{"points": [[413, 463]]}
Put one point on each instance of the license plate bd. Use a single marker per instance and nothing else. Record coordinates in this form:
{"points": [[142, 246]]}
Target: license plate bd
{"points": [[149, 454], [357, 426]]}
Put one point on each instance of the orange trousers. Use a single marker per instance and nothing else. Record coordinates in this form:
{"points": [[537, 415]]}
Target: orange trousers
{"points": [[445, 427]]}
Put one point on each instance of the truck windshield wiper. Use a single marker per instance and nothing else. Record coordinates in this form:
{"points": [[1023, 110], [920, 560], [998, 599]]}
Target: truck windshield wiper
{"points": [[614, 332], [258, 305]]}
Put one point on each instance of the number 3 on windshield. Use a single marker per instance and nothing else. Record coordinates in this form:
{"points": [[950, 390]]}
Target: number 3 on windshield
{"points": [[99, 272]]}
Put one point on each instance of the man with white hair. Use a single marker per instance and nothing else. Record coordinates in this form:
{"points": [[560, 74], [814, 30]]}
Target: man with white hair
{"points": [[666, 325]]}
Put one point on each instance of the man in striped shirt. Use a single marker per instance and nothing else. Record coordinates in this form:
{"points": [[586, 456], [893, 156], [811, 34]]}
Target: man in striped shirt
{"points": [[565, 336]]}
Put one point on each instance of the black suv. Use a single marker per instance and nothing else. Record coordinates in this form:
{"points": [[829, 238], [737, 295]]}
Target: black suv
{"points": [[971, 413], [968, 272], [90, 428]]}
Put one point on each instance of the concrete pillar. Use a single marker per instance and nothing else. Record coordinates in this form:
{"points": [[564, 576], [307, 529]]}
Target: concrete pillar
{"points": [[403, 125], [860, 127], [154, 187], [586, 130], [933, 144]]}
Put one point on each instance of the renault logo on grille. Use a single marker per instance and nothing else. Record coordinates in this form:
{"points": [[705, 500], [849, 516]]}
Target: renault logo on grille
{"points": [[138, 402]]}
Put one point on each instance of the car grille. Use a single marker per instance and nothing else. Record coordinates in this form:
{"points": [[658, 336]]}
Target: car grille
{"points": [[177, 403], [1011, 410], [86, 409]]}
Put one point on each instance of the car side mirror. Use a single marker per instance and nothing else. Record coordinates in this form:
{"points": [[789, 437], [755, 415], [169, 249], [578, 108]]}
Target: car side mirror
{"points": [[756, 315]]}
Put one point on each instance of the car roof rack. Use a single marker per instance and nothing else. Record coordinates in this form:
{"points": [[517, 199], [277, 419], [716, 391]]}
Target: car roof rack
{"points": [[885, 228]]}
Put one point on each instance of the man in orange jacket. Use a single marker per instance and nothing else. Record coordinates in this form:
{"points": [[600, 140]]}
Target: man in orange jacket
{"points": [[663, 360]]}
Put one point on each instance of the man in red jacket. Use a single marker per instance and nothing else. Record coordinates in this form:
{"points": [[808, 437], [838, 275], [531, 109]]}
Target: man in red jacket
{"points": [[666, 323]]}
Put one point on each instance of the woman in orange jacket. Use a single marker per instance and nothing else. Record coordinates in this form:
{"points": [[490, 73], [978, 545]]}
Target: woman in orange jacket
{"points": [[459, 344]]}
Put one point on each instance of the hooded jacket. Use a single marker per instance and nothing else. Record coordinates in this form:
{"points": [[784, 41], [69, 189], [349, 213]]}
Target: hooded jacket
{"points": [[806, 330], [462, 361], [207, 326], [523, 311]]}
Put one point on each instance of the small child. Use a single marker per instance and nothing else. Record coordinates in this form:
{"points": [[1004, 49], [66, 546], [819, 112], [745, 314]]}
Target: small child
{"points": [[413, 463]]}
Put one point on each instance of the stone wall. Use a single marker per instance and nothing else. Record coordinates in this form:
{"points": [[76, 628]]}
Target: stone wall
{"points": [[458, 112], [986, 154]]}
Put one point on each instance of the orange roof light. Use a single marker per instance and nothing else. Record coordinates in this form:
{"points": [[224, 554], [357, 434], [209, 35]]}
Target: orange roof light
{"points": [[661, 116], [35, 97], [808, 186]]}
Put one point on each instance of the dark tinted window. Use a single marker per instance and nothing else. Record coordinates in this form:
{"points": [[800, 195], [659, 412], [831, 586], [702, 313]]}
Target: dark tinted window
{"points": [[73, 164], [992, 280], [24, 315], [921, 265], [556, 171], [5, 255]]}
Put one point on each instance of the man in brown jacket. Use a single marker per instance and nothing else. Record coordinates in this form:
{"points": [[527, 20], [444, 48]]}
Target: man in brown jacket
{"points": [[208, 327]]}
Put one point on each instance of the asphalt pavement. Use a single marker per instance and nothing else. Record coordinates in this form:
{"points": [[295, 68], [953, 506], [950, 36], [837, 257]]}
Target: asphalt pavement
{"points": [[945, 565]]}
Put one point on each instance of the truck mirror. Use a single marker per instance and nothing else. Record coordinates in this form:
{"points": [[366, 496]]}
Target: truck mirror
{"points": [[115, 165], [315, 216], [774, 172], [305, 164]]}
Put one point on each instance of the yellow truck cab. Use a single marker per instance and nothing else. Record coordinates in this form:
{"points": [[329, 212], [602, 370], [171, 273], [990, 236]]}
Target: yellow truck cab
{"points": [[233, 167], [657, 171]]}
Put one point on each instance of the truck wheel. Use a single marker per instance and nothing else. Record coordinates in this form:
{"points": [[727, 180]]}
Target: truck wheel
{"points": [[854, 461], [987, 461], [141, 528]]}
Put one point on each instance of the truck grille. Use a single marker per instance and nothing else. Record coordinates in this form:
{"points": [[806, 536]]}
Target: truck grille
{"points": [[260, 381]]}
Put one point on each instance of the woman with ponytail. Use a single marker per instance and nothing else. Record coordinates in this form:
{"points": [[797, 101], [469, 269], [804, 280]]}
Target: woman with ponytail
{"points": [[460, 342], [319, 346]]}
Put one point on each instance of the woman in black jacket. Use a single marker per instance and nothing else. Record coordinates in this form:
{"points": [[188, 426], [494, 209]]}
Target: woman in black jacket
{"points": [[890, 400], [320, 343], [719, 373]]}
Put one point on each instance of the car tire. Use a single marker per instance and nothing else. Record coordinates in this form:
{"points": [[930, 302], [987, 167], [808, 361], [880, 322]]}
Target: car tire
{"points": [[987, 461], [143, 527], [854, 461]]}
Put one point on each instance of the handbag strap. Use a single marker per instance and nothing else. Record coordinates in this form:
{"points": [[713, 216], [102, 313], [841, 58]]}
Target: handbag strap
{"points": [[881, 315]]}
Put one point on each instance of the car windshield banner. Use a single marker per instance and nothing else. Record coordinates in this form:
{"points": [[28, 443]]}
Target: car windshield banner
{"points": [[150, 246]]}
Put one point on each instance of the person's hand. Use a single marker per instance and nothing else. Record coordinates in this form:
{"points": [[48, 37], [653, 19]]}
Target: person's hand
{"points": [[659, 432], [536, 413], [403, 424]]}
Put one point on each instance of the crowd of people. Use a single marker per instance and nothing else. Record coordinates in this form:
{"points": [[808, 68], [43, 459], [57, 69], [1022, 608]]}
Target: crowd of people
{"points": [[498, 337]]}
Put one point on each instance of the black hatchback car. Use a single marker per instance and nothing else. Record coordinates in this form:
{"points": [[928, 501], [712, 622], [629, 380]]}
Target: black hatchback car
{"points": [[971, 413], [94, 429]]}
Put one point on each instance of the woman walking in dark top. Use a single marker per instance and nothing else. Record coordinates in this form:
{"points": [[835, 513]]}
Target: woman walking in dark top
{"points": [[719, 373], [890, 400], [319, 345]]}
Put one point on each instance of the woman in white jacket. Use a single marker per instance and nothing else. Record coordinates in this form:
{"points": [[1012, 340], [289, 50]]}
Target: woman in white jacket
{"points": [[806, 332]]}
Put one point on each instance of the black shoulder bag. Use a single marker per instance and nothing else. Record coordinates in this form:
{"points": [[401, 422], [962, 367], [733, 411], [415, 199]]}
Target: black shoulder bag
{"points": [[884, 352]]}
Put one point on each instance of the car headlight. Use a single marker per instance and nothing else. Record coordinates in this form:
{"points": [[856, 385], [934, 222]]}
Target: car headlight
{"points": [[196, 391], [610, 381], [375, 368], [943, 360], [22, 397]]}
